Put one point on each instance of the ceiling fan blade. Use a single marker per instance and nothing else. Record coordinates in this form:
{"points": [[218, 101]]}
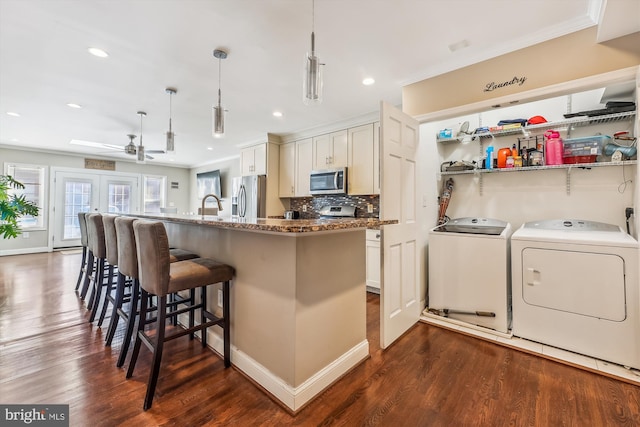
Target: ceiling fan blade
{"points": [[148, 157], [95, 144], [155, 151]]}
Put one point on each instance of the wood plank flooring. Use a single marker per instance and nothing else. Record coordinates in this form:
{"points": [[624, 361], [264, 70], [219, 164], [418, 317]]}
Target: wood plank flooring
{"points": [[50, 354]]}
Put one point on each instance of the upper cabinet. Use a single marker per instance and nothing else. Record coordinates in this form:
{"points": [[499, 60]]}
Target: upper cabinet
{"points": [[287, 170], [304, 166], [364, 159], [253, 160], [330, 150]]}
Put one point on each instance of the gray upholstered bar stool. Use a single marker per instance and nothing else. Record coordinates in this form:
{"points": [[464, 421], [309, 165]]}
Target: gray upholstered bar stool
{"points": [[111, 247], [82, 222], [161, 278], [128, 273], [95, 233]]}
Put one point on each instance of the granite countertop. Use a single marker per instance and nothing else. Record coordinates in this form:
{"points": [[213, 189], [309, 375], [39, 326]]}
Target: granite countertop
{"points": [[271, 224]]}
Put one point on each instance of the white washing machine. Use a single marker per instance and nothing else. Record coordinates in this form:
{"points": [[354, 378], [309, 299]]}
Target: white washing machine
{"points": [[575, 286], [469, 276]]}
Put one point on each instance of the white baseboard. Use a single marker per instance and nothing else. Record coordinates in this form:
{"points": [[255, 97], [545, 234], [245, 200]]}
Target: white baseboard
{"points": [[23, 251], [293, 397]]}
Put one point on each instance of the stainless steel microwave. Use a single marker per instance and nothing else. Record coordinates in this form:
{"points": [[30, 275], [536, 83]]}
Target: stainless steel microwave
{"points": [[328, 181]]}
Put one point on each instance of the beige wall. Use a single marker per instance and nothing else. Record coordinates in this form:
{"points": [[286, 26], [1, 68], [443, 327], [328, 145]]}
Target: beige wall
{"points": [[563, 59]]}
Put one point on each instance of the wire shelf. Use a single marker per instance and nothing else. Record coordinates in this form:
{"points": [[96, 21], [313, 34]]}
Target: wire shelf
{"points": [[533, 168]]}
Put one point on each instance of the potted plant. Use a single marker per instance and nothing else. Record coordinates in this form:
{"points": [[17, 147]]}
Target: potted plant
{"points": [[12, 207]]}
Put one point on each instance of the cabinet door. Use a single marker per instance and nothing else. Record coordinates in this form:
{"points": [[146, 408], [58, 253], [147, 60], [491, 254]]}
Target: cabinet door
{"points": [[373, 259], [361, 163], [304, 165], [287, 170], [339, 156], [321, 152], [260, 159], [246, 161]]}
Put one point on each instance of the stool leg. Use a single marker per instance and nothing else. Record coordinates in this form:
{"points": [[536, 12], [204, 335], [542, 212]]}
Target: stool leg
{"points": [[87, 276], [107, 295], [192, 314], [203, 319], [141, 322], [83, 267], [94, 301], [117, 305], [157, 351], [131, 320], [226, 329]]}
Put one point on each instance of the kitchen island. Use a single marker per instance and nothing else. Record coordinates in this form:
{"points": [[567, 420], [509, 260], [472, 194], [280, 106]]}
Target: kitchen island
{"points": [[298, 300]]}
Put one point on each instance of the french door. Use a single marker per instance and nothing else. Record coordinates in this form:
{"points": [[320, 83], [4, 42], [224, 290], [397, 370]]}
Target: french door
{"points": [[80, 191]]}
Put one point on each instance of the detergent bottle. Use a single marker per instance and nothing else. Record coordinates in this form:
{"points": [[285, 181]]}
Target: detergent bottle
{"points": [[554, 148], [488, 163]]}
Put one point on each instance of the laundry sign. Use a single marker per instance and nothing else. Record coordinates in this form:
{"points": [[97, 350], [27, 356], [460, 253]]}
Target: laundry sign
{"points": [[518, 81]]}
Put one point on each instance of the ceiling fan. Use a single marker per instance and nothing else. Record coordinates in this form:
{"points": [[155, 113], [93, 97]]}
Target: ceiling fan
{"points": [[130, 148]]}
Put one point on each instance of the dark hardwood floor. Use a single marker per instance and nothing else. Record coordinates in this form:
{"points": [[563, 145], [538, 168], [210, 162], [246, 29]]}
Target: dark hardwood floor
{"points": [[431, 377]]}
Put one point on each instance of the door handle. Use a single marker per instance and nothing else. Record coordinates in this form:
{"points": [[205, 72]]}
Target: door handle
{"points": [[532, 277]]}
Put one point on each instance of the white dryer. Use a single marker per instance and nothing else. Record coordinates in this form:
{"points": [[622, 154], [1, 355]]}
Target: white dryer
{"points": [[575, 286], [469, 272]]}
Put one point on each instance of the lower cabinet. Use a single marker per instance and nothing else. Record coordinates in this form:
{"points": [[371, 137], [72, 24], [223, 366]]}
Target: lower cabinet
{"points": [[373, 260]]}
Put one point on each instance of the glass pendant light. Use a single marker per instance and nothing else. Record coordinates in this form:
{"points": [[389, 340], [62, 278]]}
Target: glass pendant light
{"points": [[312, 80], [141, 158], [218, 110], [170, 135]]}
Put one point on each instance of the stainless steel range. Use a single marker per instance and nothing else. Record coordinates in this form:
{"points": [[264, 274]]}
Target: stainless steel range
{"points": [[337, 212]]}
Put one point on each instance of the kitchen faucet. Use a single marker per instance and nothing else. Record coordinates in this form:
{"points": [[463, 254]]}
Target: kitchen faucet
{"points": [[204, 199]]}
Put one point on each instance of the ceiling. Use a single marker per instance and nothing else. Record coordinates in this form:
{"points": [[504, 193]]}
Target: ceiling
{"points": [[155, 44]]}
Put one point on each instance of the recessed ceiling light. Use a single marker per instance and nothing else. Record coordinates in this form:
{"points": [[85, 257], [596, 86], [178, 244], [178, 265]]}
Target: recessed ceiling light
{"points": [[172, 160], [210, 148], [277, 114], [72, 105], [15, 140], [368, 81], [98, 52], [12, 114]]}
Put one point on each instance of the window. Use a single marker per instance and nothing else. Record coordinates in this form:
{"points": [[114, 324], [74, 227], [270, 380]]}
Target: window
{"points": [[77, 199], [33, 178], [155, 189]]}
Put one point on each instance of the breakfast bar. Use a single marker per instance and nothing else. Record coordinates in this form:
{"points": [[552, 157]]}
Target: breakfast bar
{"points": [[298, 300]]}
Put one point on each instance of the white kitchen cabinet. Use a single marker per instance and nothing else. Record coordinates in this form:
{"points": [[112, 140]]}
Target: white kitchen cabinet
{"points": [[254, 160], [373, 260], [304, 165], [363, 160], [330, 150], [287, 170]]}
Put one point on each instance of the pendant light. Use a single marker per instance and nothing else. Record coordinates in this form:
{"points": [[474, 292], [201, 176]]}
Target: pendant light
{"points": [[141, 156], [218, 110], [170, 135], [312, 80]]}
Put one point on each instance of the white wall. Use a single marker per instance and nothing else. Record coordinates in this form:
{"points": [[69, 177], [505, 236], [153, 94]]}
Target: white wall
{"points": [[37, 241], [229, 169]]}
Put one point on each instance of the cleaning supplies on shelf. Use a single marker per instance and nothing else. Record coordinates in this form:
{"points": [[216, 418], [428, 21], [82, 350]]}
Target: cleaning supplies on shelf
{"points": [[554, 148], [488, 162]]}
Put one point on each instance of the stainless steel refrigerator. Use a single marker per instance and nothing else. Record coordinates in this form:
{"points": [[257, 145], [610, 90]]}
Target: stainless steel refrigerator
{"points": [[249, 196]]}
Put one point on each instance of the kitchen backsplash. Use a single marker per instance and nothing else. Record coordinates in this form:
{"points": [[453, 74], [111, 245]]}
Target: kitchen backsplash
{"points": [[315, 203]]}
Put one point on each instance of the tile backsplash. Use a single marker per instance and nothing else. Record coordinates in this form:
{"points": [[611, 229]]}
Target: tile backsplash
{"points": [[316, 202]]}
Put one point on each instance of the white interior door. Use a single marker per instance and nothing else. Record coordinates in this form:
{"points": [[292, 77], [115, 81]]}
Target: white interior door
{"points": [[89, 192], [400, 287]]}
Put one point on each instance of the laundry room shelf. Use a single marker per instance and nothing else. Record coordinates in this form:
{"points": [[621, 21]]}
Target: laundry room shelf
{"points": [[573, 123], [568, 168]]}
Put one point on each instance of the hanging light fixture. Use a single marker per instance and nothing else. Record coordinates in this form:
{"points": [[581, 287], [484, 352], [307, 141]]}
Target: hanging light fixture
{"points": [[312, 80], [140, 151], [218, 110], [170, 135]]}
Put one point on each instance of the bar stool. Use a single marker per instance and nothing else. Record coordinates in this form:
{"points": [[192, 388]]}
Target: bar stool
{"points": [[111, 248], [95, 234], [128, 268], [161, 278], [83, 241]]}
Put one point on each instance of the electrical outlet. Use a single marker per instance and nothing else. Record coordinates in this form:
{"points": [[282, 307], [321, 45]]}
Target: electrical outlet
{"points": [[220, 303], [369, 208], [304, 208]]}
